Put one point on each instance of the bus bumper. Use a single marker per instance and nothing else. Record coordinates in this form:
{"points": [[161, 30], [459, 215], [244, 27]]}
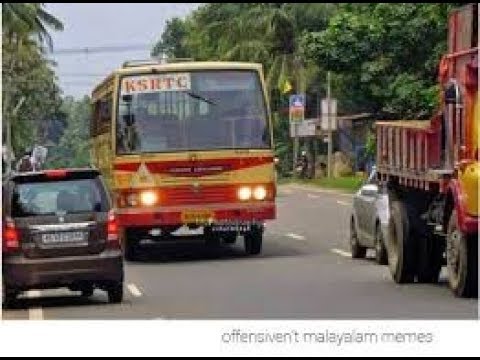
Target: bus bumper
{"points": [[211, 213]]}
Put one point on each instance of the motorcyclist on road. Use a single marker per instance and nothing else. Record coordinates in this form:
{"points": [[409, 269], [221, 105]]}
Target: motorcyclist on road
{"points": [[302, 165]]}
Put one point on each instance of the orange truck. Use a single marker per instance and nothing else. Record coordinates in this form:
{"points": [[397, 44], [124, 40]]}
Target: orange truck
{"points": [[431, 172]]}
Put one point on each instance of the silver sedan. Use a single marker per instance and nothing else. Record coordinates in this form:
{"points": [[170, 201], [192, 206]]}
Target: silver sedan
{"points": [[369, 221]]}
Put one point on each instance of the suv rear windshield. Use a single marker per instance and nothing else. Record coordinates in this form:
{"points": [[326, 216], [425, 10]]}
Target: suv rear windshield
{"points": [[58, 197]]}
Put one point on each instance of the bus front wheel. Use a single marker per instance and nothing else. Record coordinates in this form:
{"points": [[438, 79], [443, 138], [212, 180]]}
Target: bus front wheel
{"points": [[130, 244], [253, 241]]}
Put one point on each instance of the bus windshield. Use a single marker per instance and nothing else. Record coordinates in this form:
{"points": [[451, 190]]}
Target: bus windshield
{"points": [[198, 110]]}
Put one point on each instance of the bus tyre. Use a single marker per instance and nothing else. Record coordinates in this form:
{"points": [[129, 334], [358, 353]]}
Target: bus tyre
{"points": [[358, 251], [229, 237], [212, 239], [130, 245], [462, 260], [400, 245], [253, 241], [430, 259]]}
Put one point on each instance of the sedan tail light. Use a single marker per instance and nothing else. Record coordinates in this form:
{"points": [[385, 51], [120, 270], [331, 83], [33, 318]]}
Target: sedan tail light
{"points": [[11, 239]]}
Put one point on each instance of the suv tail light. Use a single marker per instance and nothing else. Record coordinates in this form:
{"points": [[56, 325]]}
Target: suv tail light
{"points": [[11, 240], [112, 231]]}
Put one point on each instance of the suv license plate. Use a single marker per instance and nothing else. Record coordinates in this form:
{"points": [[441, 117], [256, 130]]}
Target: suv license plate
{"points": [[77, 238]]}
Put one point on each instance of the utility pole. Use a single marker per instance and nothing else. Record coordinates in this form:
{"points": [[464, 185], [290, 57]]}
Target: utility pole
{"points": [[329, 155]]}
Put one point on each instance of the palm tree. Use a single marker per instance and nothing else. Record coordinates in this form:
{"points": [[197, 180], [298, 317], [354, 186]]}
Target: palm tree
{"points": [[21, 20], [267, 33]]}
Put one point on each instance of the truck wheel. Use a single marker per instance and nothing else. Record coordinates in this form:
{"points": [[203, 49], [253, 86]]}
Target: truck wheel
{"points": [[400, 245], [430, 259], [462, 260], [380, 252], [253, 241], [358, 251], [130, 245]]}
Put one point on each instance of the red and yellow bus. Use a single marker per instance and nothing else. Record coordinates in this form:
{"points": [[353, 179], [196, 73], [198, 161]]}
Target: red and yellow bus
{"points": [[186, 144]]}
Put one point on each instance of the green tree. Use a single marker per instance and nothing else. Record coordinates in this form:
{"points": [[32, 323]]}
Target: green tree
{"points": [[27, 74], [21, 20], [73, 148], [385, 56], [172, 40]]}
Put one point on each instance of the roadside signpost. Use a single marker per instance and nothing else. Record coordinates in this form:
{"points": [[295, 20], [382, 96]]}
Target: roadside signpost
{"points": [[329, 121], [296, 113]]}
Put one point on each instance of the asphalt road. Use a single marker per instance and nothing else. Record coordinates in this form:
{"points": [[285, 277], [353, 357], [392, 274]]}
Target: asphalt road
{"points": [[304, 272]]}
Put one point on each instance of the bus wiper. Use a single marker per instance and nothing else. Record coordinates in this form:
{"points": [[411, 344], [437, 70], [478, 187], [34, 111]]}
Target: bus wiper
{"points": [[199, 97]]}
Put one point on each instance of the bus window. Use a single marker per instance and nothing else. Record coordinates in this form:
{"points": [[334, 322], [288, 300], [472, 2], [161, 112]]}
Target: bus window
{"points": [[201, 110], [102, 116]]}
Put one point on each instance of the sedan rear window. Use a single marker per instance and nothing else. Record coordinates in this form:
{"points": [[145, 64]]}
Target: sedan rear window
{"points": [[58, 197]]}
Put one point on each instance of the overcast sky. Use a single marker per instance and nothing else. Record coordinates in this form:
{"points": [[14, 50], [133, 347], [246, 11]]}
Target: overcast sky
{"points": [[105, 25]]}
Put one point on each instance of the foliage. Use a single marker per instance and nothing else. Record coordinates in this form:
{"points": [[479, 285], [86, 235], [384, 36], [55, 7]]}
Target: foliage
{"points": [[172, 41], [72, 149], [30, 94], [386, 56]]}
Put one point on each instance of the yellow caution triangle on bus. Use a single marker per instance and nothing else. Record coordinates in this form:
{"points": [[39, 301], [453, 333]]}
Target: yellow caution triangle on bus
{"points": [[143, 177]]}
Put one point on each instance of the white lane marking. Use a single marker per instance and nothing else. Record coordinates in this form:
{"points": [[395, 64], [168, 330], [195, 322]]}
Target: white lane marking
{"points": [[344, 203], [134, 290], [296, 236], [34, 313], [319, 190], [341, 252], [311, 196]]}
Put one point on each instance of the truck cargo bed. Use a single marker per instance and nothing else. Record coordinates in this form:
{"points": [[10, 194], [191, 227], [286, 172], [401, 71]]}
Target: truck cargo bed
{"points": [[410, 150]]}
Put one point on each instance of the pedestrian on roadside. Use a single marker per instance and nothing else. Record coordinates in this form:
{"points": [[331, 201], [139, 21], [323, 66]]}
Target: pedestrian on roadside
{"points": [[25, 163]]}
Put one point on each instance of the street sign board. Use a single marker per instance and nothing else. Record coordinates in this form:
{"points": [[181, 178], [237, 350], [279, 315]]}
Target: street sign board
{"points": [[329, 114], [305, 128], [297, 108]]}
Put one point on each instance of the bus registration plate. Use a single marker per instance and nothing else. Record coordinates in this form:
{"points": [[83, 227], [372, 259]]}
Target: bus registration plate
{"points": [[197, 216]]}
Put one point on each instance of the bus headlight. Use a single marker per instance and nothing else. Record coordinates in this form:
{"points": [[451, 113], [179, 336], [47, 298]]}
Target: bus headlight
{"points": [[148, 198], [260, 193], [244, 193]]}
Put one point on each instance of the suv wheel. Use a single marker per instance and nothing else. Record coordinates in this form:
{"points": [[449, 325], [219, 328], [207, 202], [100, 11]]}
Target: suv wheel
{"points": [[8, 297], [115, 293]]}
